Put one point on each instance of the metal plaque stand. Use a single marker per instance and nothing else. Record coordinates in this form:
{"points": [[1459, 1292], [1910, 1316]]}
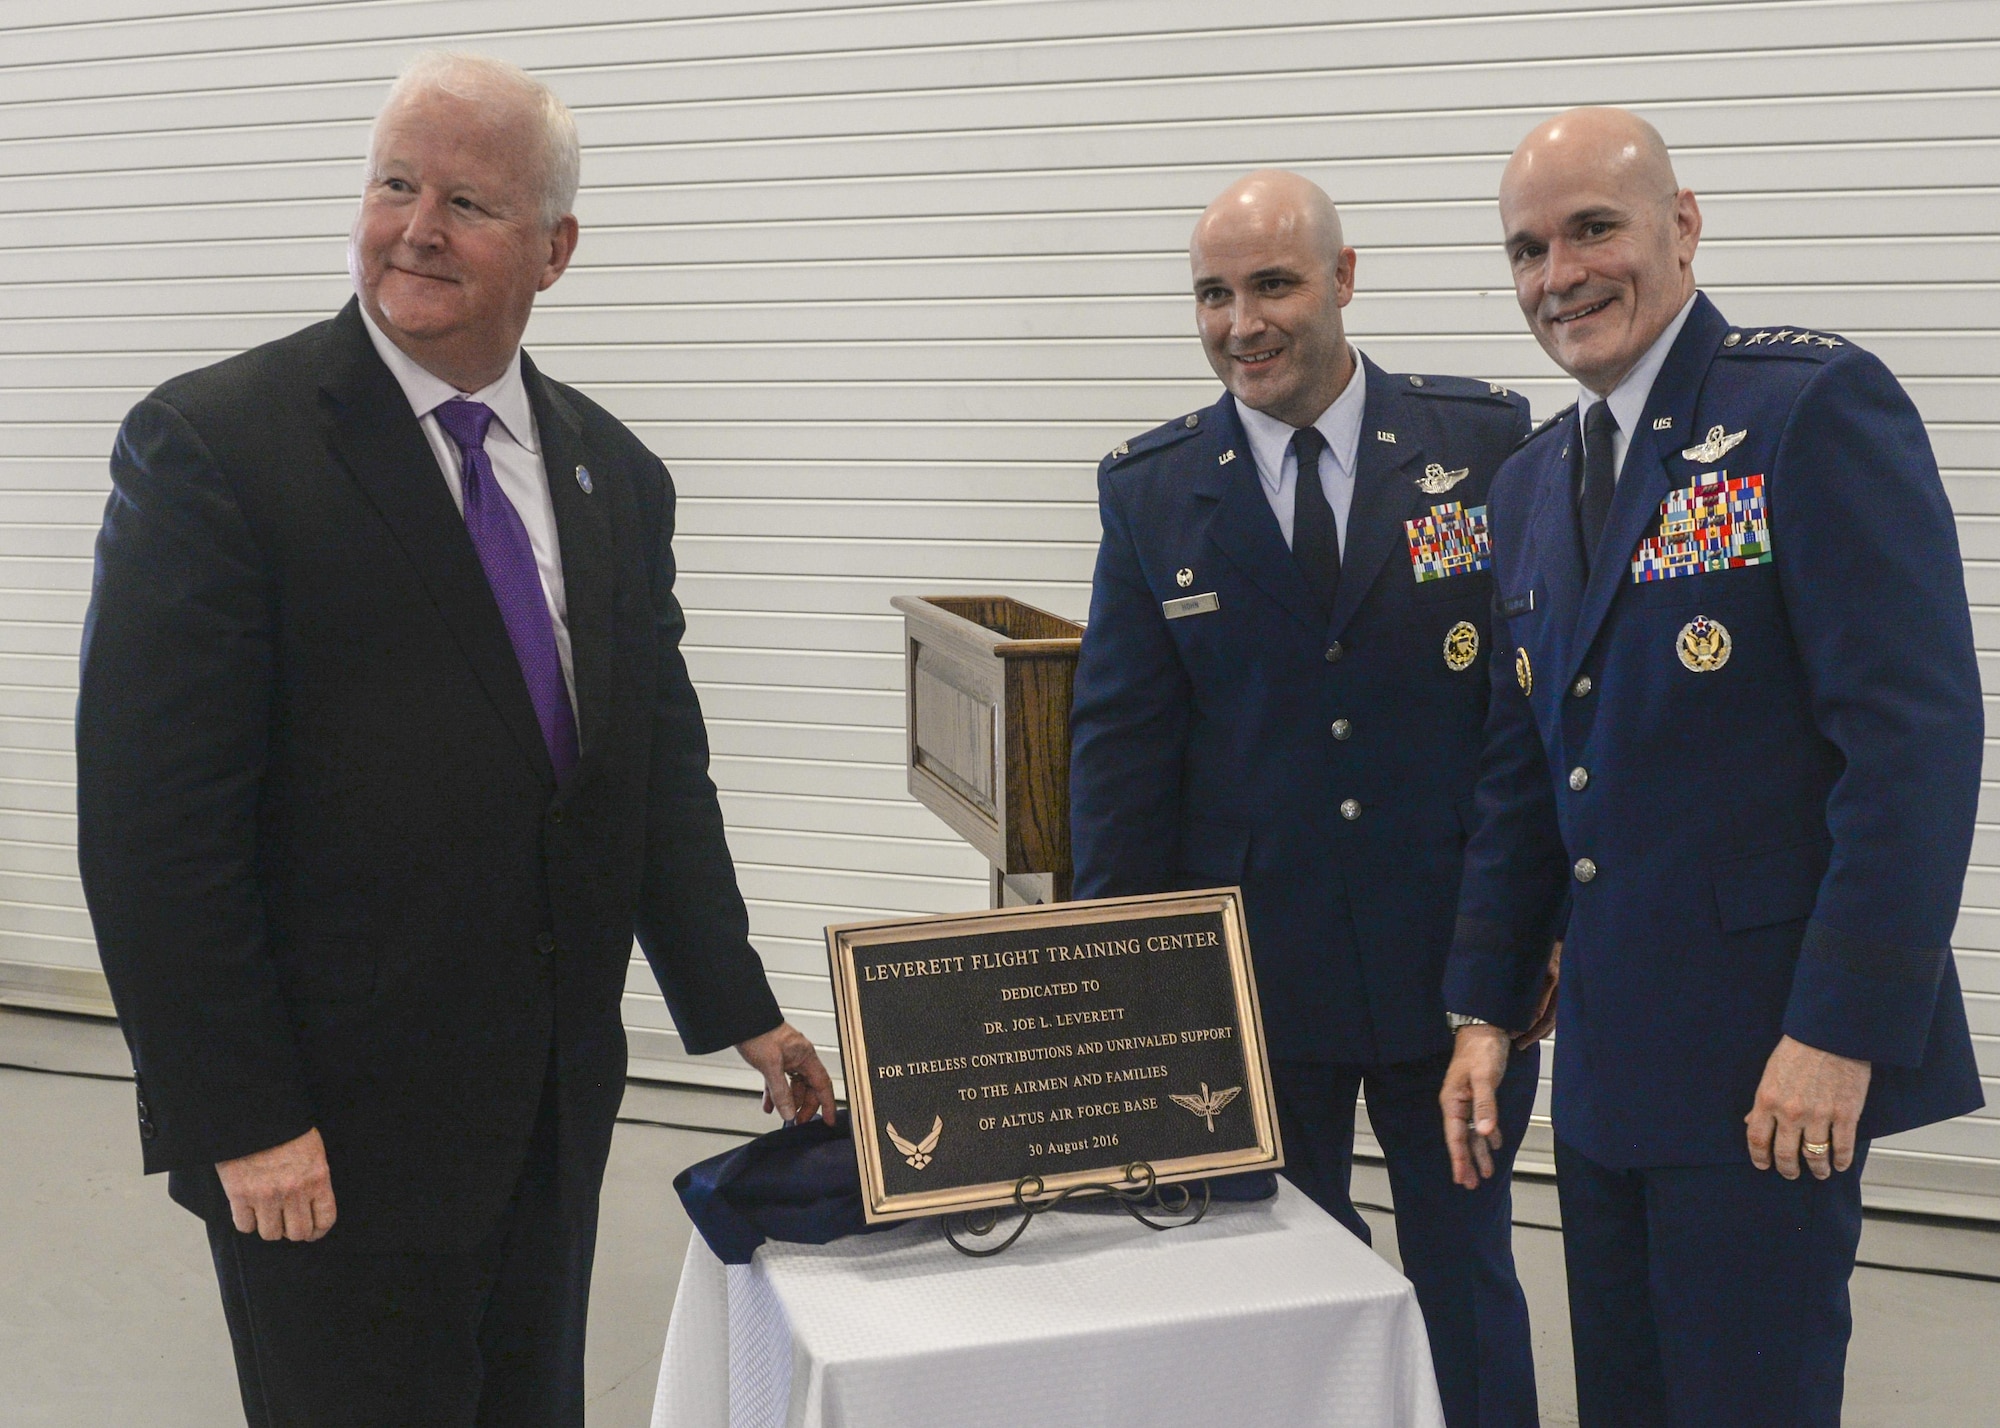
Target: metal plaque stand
{"points": [[1136, 1192]]}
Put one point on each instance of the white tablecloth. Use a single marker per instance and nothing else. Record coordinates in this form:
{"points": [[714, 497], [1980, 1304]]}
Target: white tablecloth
{"points": [[1267, 1313]]}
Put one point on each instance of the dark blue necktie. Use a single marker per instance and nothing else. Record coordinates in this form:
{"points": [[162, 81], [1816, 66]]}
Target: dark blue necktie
{"points": [[1315, 537], [1599, 477]]}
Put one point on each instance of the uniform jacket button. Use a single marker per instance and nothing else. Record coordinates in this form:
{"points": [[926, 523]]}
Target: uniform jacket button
{"points": [[1582, 686], [1585, 870], [1335, 652], [1579, 779], [546, 944], [1350, 809], [1342, 729]]}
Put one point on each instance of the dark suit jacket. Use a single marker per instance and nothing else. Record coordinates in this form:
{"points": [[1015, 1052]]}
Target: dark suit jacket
{"points": [[333, 879], [1776, 830], [1206, 749]]}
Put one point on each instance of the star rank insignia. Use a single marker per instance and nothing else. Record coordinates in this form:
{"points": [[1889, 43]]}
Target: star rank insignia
{"points": [[1436, 480], [1716, 447]]}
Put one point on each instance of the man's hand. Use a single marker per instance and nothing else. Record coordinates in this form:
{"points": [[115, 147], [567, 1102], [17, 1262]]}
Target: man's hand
{"points": [[795, 1083], [1544, 1020], [1807, 1096], [283, 1193], [1470, 1104]]}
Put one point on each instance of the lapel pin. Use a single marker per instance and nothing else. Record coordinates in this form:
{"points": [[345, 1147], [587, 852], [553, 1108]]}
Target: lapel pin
{"points": [[1226, 457], [1388, 436], [1663, 423], [583, 479], [1715, 448]]}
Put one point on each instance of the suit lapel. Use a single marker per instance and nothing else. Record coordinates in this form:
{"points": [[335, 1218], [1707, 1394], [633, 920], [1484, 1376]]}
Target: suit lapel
{"points": [[373, 433], [1645, 478], [583, 530], [1381, 496], [1243, 526]]}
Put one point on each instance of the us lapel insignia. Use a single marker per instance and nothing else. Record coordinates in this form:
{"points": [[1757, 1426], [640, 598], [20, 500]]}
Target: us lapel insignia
{"points": [[1388, 436], [1524, 672], [1226, 457], [1461, 646], [1184, 577], [1436, 480], [1663, 423], [1715, 448], [1703, 645], [583, 479]]}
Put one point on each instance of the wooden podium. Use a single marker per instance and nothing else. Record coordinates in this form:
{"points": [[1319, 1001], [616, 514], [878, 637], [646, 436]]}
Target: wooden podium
{"points": [[987, 685]]}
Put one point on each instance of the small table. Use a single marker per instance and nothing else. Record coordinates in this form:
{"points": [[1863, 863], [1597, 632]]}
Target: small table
{"points": [[1262, 1313]]}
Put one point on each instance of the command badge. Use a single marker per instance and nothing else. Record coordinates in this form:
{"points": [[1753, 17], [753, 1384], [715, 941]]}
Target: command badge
{"points": [[1524, 673], [1703, 645], [1715, 448], [1461, 646]]}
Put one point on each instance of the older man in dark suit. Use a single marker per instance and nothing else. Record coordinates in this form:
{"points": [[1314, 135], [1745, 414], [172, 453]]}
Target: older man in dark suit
{"points": [[386, 750]]}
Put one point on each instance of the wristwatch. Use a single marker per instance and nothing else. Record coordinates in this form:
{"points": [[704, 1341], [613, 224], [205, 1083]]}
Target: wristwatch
{"points": [[1455, 1020]]}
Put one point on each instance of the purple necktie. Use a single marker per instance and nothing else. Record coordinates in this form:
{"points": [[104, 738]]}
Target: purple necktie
{"points": [[509, 559]]}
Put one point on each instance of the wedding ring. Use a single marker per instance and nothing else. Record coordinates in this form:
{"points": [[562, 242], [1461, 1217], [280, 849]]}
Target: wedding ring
{"points": [[1814, 1148]]}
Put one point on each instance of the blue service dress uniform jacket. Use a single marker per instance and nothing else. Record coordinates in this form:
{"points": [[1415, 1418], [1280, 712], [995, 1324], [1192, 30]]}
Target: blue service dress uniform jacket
{"points": [[1324, 763], [1741, 756]]}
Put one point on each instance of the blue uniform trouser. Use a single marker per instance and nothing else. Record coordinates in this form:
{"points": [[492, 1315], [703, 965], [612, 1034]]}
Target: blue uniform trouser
{"points": [[1457, 1245], [1708, 1296]]}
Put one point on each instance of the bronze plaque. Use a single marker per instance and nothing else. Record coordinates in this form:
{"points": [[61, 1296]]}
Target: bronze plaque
{"points": [[1064, 1042]]}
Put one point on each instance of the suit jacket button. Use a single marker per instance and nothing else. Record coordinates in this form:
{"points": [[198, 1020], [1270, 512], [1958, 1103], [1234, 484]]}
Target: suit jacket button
{"points": [[1342, 729], [1335, 652], [1350, 809], [1585, 870], [546, 944], [1579, 779], [555, 815], [1582, 686]]}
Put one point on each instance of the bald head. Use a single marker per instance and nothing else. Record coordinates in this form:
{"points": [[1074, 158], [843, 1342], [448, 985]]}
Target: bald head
{"points": [[1601, 239], [1271, 273]]}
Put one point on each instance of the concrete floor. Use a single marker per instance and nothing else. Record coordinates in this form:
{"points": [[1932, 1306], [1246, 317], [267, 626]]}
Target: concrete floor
{"points": [[108, 1313]]}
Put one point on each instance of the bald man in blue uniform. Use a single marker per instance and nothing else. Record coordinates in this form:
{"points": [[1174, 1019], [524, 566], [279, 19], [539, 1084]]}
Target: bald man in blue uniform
{"points": [[1735, 742], [1283, 686]]}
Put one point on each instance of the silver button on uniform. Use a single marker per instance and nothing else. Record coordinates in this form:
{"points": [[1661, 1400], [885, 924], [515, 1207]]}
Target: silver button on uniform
{"points": [[1579, 779], [1585, 870], [1350, 809], [1334, 652], [1582, 686], [1341, 728]]}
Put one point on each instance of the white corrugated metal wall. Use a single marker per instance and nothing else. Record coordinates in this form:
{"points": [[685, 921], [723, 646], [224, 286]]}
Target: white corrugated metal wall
{"points": [[881, 281]]}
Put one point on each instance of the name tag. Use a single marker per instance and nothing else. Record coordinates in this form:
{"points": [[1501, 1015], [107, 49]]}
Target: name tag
{"points": [[1190, 605], [1517, 605]]}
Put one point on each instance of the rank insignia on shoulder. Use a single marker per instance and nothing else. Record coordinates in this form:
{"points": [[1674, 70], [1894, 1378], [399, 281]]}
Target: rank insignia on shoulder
{"points": [[1461, 646], [1122, 449], [1449, 541], [1524, 672], [1436, 480], [1715, 448], [1703, 645], [1718, 523]]}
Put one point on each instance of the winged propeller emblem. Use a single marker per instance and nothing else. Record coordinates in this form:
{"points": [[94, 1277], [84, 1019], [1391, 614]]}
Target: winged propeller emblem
{"points": [[1208, 1104], [918, 1153]]}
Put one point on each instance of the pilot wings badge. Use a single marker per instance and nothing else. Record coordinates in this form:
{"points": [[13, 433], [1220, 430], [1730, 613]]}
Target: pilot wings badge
{"points": [[917, 1153], [1715, 448], [1436, 480], [1208, 1105]]}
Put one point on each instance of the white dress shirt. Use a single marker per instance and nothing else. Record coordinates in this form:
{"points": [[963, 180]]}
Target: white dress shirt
{"points": [[1628, 398], [515, 450], [1277, 467]]}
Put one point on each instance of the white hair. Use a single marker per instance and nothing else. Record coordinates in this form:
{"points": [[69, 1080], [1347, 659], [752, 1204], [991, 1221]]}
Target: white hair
{"points": [[481, 77]]}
